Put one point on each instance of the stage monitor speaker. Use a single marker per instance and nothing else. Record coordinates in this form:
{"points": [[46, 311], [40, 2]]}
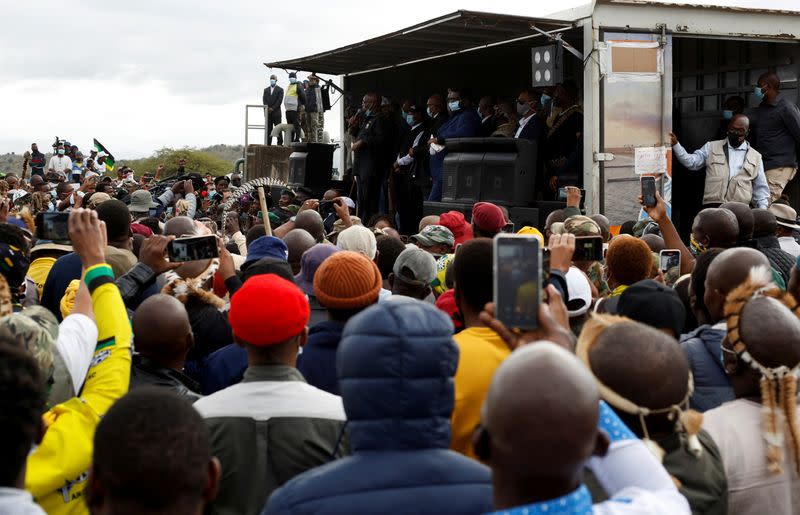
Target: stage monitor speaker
{"points": [[545, 208], [522, 216], [461, 177], [437, 208], [490, 169], [310, 165], [267, 161]]}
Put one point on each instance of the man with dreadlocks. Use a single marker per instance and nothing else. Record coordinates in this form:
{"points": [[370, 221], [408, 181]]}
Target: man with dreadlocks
{"points": [[758, 434], [656, 413]]}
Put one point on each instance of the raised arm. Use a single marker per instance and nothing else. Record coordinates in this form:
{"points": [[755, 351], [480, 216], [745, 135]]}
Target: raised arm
{"points": [[670, 234], [694, 161]]}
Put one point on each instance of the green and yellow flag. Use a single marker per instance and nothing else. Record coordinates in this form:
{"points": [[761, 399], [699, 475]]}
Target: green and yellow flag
{"points": [[109, 157]]}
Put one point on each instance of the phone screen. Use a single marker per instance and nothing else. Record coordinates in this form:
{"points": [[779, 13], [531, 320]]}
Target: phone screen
{"points": [[649, 191], [670, 259], [562, 194], [588, 248], [517, 280], [52, 226], [193, 249]]}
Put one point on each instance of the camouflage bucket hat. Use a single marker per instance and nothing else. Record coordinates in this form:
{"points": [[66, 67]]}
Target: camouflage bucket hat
{"points": [[434, 235], [580, 225], [37, 329]]}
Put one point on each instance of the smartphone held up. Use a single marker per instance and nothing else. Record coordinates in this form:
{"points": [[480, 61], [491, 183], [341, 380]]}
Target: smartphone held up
{"points": [[517, 280], [649, 191], [194, 248]]}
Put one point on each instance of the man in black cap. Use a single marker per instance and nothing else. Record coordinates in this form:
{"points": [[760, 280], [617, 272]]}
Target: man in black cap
{"points": [[294, 98], [650, 303]]}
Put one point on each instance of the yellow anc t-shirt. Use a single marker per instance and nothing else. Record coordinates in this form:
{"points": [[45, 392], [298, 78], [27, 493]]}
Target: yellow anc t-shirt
{"points": [[481, 351], [58, 468]]}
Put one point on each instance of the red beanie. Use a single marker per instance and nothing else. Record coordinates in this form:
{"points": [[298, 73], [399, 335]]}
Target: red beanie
{"points": [[347, 280], [268, 310], [455, 221], [488, 217]]}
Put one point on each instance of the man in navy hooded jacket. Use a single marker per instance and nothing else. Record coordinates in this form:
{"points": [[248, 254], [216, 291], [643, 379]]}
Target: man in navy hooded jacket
{"points": [[464, 122], [396, 363]]}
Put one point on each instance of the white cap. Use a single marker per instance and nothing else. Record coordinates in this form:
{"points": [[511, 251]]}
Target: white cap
{"points": [[580, 292], [358, 239]]}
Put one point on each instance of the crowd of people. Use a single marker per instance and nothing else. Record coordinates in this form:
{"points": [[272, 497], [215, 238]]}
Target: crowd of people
{"points": [[330, 358], [326, 363]]}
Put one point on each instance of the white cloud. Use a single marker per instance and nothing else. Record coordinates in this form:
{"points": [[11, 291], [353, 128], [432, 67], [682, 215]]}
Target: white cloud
{"points": [[139, 76]]}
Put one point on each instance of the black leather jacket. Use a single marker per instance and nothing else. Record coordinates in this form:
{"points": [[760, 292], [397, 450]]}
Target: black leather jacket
{"points": [[145, 372]]}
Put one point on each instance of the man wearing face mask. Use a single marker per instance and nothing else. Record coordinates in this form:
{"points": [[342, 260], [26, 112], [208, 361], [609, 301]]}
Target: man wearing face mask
{"points": [[530, 126], [488, 118], [410, 172], [779, 133], [734, 170], [314, 113], [294, 98], [60, 163], [463, 123], [730, 108], [272, 98], [368, 156]]}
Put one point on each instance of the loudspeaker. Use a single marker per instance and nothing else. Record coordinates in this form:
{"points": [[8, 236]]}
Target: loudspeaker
{"points": [[499, 170], [522, 216], [437, 208], [310, 165], [545, 208]]}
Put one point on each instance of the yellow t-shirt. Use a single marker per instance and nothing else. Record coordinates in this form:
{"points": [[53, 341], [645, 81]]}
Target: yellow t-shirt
{"points": [[481, 352]]}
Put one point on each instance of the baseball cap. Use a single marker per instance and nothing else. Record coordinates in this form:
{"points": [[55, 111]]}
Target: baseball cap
{"points": [[358, 239], [309, 263], [785, 215], [580, 293], [434, 235], [415, 266], [455, 221], [488, 217], [650, 303], [258, 324], [141, 201], [99, 197], [579, 225], [532, 231], [267, 246]]}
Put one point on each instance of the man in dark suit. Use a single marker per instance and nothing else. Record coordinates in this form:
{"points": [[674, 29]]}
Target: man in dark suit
{"points": [[410, 169], [532, 128], [488, 120], [273, 98], [368, 156], [437, 113]]}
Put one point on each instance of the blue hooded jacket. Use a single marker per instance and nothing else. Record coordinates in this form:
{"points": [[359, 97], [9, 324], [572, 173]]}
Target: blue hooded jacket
{"points": [[711, 385], [395, 363], [317, 363]]}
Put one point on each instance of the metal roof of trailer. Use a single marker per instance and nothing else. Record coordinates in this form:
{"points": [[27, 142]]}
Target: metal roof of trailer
{"points": [[461, 31]]}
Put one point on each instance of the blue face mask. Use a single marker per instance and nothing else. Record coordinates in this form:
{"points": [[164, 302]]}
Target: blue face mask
{"points": [[544, 99], [272, 82], [292, 80], [758, 92], [410, 119], [454, 105], [368, 112], [428, 110], [727, 114]]}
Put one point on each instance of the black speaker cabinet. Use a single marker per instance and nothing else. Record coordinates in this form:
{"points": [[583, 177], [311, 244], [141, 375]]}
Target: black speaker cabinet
{"points": [[522, 216], [310, 165], [490, 169]]}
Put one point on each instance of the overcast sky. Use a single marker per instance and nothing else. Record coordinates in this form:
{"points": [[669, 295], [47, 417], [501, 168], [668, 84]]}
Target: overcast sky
{"points": [[142, 75]]}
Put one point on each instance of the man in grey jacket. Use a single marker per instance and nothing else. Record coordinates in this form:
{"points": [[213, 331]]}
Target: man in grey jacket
{"points": [[273, 425]]}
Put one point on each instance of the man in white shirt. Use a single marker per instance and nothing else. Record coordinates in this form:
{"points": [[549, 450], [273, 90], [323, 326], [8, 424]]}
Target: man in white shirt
{"points": [[734, 170], [60, 163], [787, 224], [757, 434]]}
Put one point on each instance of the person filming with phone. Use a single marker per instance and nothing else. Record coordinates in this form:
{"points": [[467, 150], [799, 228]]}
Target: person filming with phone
{"points": [[734, 169]]}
